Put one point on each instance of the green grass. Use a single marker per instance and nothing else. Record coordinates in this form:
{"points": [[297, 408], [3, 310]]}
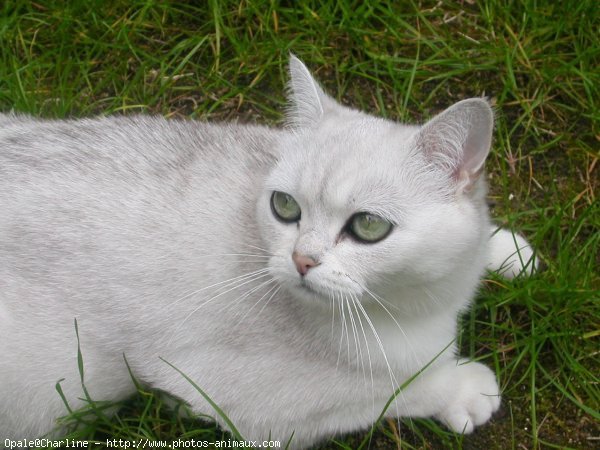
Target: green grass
{"points": [[538, 61]]}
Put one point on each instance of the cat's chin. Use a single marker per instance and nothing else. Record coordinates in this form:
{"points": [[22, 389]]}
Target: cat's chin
{"points": [[309, 292]]}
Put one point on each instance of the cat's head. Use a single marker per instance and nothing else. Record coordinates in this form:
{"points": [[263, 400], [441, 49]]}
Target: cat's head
{"points": [[356, 202]]}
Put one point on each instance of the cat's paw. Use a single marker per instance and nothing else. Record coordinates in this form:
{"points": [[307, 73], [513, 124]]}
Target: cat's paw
{"points": [[477, 398], [511, 255]]}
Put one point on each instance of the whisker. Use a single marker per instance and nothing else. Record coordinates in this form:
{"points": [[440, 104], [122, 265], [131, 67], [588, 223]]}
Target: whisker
{"points": [[228, 281], [256, 277], [332, 311], [362, 359], [380, 344], [394, 382], [344, 305], [268, 301], [350, 321], [259, 300], [258, 248], [245, 295], [246, 281], [253, 255], [355, 300], [345, 328], [357, 349], [379, 300], [341, 330]]}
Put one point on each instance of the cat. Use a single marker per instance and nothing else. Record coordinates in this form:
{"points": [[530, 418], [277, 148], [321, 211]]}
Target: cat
{"points": [[298, 275]]}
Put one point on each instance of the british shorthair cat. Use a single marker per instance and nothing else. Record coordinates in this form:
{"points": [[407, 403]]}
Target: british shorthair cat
{"points": [[299, 275]]}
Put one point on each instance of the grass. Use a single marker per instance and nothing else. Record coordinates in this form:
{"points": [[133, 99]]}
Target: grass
{"points": [[536, 60]]}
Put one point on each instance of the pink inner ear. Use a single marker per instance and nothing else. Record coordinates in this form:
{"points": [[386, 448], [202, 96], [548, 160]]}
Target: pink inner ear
{"points": [[479, 137], [458, 140]]}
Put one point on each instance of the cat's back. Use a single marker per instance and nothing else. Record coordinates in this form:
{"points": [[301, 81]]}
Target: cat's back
{"points": [[114, 195], [113, 146], [112, 159]]}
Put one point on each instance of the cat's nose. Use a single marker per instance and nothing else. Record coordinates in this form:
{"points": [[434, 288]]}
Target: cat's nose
{"points": [[303, 263]]}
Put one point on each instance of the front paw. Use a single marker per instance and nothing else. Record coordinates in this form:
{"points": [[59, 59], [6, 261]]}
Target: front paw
{"points": [[511, 255], [476, 398]]}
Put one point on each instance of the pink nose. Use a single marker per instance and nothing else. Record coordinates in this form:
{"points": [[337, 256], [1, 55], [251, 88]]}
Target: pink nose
{"points": [[303, 263]]}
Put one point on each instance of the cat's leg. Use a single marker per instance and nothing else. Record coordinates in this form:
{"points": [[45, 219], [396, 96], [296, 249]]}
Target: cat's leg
{"points": [[283, 402], [510, 254], [460, 394], [320, 403]]}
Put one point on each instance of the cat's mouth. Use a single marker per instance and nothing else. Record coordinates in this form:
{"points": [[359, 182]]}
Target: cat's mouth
{"points": [[311, 294]]}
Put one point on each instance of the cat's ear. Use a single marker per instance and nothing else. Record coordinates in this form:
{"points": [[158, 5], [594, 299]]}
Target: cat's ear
{"points": [[307, 101], [458, 140]]}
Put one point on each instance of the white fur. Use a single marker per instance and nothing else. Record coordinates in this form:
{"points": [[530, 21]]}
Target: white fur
{"points": [[158, 238], [510, 254]]}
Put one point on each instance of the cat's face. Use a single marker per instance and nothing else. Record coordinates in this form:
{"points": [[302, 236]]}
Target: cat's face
{"points": [[354, 203]]}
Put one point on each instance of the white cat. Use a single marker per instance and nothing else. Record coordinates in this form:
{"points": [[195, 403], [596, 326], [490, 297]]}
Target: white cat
{"points": [[299, 276]]}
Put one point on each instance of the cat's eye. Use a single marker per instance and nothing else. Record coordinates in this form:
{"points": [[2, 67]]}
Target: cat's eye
{"points": [[369, 227], [284, 207]]}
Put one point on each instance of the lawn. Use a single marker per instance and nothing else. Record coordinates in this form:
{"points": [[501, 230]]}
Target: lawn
{"points": [[537, 61]]}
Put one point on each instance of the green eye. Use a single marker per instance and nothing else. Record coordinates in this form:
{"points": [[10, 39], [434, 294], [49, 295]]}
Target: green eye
{"points": [[285, 207], [369, 227]]}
